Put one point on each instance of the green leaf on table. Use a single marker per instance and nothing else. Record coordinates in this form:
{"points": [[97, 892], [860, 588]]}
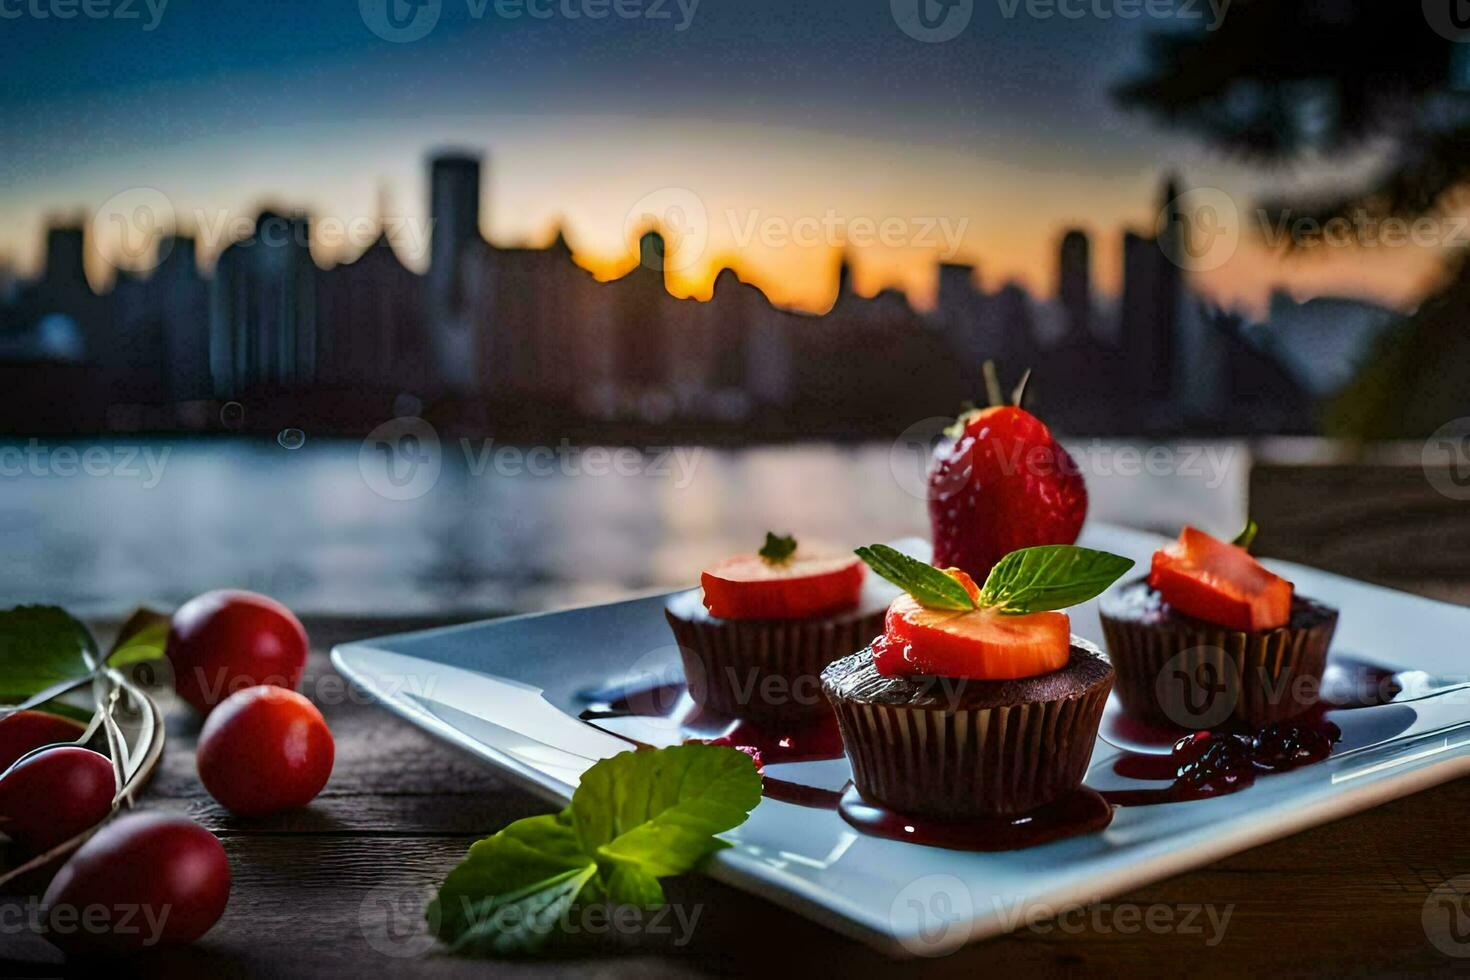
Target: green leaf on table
{"points": [[530, 852], [1050, 577], [634, 818], [660, 811], [140, 639], [627, 884], [67, 710], [931, 587], [522, 921], [41, 646]]}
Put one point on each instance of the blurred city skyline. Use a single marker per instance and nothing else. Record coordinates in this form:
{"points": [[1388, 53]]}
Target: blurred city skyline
{"points": [[761, 111], [524, 341]]}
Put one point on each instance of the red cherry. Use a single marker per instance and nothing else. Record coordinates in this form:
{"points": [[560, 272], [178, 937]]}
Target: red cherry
{"points": [[1004, 484], [26, 730], [749, 587], [222, 642], [55, 795], [144, 880], [264, 750]]}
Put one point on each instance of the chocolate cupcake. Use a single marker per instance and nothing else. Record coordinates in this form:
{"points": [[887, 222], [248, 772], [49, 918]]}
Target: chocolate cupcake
{"points": [[1176, 669], [976, 702], [1212, 639], [952, 748], [755, 637]]}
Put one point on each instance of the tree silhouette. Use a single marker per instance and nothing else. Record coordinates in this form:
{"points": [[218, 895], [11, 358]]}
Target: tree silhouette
{"points": [[1282, 80]]}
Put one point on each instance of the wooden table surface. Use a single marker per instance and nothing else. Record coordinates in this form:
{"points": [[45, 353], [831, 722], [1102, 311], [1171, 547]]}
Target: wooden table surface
{"points": [[337, 889]]}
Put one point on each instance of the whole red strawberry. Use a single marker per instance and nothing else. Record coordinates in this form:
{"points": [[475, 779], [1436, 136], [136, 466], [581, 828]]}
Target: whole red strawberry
{"points": [[999, 484]]}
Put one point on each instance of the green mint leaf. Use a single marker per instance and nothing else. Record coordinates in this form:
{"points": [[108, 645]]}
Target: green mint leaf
{"points": [[626, 884], [1247, 536], [524, 856], [141, 638], [41, 646], [659, 811], [634, 818], [1050, 577], [931, 587], [778, 550], [523, 921]]}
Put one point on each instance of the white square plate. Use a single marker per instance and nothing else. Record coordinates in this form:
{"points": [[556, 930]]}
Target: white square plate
{"points": [[509, 691]]}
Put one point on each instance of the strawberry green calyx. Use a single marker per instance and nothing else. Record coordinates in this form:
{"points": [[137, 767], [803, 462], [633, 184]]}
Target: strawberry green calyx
{"points": [[1247, 536], [778, 549], [994, 396]]}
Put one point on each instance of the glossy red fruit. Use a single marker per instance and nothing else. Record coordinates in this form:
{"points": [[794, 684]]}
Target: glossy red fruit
{"points": [[223, 642], [264, 750], [749, 587], [1220, 583], [55, 795], [143, 880], [26, 730], [981, 644], [1004, 483]]}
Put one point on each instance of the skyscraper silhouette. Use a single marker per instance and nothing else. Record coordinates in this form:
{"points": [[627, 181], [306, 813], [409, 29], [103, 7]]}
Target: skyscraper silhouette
{"points": [[640, 301], [454, 208], [372, 323], [1152, 294], [263, 309], [1074, 282]]}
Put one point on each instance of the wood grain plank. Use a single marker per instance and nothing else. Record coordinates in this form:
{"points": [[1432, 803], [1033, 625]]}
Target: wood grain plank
{"points": [[357, 909]]}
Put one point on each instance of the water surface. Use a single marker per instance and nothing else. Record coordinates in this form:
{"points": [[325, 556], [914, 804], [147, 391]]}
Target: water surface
{"points": [[115, 522]]}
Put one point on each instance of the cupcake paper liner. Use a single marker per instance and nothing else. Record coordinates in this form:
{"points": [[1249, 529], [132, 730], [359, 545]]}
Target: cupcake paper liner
{"points": [[1196, 676], [765, 668], [934, 761]]}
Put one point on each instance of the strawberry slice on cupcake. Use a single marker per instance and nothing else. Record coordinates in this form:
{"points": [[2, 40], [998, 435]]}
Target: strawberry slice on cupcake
{"points": [[1220, 583], [782, 582], [756, 634]]}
